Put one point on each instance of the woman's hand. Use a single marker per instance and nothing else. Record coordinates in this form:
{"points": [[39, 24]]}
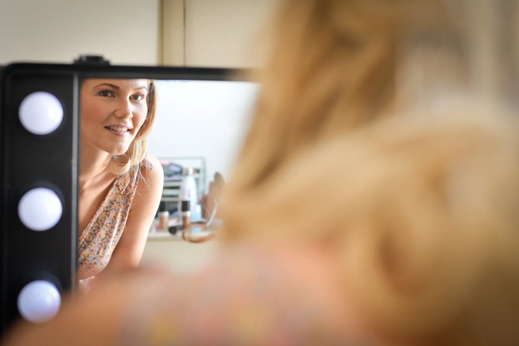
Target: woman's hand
{"points": [[214, 195]]}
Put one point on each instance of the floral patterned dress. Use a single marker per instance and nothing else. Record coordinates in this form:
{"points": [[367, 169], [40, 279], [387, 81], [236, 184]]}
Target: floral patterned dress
{"points": [[244, 296], [103, 232]]}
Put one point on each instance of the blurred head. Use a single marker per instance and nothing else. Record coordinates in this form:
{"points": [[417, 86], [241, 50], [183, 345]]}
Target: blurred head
{"points": [[420, 214], [116, 117], [335, 65], [421, 217]]}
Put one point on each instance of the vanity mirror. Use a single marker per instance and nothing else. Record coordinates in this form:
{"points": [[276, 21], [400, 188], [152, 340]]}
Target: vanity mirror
{"points": [[202, 117]]}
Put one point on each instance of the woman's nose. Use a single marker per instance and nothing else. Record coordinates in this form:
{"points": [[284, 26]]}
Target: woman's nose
{"points": [[124, 109]]}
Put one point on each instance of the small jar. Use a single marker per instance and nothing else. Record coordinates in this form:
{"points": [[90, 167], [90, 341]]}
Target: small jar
{"points": [[163, 220]]}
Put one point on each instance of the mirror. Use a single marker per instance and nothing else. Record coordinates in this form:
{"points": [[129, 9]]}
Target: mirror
{"points": [[200, 125], [199, 129]]}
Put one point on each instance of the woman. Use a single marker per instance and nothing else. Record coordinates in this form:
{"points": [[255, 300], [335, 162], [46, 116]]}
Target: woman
{"points": [[120, 183], [415, 245], [339, 230]]}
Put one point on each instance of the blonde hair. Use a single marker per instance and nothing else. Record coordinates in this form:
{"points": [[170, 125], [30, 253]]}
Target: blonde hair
{"points": [[422, 216], [335, 65], [121, 164], [426, 245], [332, 68]]}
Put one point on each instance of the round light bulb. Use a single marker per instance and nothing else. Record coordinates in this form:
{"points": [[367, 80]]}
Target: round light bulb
{"points": [[40, 209], [40, 113], [39, 301]]}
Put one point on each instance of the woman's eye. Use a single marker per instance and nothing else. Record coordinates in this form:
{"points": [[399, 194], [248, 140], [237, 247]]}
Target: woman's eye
{"points": [[106, 93], [138, 97]]}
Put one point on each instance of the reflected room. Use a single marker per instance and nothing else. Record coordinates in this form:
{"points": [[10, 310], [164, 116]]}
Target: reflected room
{"points": [[198, 129]]}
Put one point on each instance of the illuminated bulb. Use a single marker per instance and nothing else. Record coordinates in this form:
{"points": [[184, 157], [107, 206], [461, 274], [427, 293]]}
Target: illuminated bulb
{"points": [[40, 209], [39, 301], [40, 113]]}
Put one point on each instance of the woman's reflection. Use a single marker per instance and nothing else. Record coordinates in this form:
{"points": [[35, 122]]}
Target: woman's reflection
{"points": [[120, 182]]}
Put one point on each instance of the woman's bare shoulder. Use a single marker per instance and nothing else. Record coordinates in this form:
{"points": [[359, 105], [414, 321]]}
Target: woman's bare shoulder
{"points": [[151, 169]]}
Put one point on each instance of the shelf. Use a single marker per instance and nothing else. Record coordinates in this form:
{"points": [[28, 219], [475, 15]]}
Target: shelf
{"points": [[166, 236], [156, 234], [169, 199], [172, 183]]}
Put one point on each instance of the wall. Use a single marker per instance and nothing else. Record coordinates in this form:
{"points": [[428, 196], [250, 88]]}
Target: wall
{"points": [[124, 31], [202, 119], [216, 33], [226, 33]]}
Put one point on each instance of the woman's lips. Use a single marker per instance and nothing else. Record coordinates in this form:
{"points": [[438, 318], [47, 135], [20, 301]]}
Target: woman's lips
{"points": [[118, 133]]}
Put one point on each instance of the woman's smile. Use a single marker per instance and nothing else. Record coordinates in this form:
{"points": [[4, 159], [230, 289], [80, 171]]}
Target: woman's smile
{"points": [[119, 130]]}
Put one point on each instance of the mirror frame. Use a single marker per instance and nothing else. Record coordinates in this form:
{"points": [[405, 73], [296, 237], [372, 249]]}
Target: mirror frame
{"points": [[26, 255]]}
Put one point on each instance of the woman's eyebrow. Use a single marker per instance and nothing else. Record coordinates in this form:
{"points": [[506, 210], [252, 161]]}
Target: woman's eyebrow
{"points": [[113, 86]]}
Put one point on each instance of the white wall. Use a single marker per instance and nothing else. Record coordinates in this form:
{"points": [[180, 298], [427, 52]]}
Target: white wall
{"points": [[213, 33], [124, 31], [226, 33], [203, 119]]}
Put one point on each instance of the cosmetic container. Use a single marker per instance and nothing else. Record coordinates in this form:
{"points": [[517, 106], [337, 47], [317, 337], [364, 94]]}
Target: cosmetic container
{"points": [[185, 214], [163, 220], [189, 192]]}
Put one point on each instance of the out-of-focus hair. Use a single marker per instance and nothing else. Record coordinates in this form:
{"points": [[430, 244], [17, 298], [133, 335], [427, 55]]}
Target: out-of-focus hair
{"points": [[335, 65], [332, 67], [421, 215], [121, 164]]}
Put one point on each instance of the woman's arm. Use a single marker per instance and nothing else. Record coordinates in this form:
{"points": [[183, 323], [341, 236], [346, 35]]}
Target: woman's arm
{"points": [[128, 253]]}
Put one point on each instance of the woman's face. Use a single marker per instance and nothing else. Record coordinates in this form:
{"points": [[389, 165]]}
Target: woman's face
{"points": [[112, 112]]}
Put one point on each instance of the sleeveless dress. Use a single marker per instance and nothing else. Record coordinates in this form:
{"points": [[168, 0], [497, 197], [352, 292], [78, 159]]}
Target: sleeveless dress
{"points": [[103, 232]]}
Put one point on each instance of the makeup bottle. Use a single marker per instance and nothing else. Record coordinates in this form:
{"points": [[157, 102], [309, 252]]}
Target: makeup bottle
{"points": [[163, 220], [185, 214], [188, 191]]}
